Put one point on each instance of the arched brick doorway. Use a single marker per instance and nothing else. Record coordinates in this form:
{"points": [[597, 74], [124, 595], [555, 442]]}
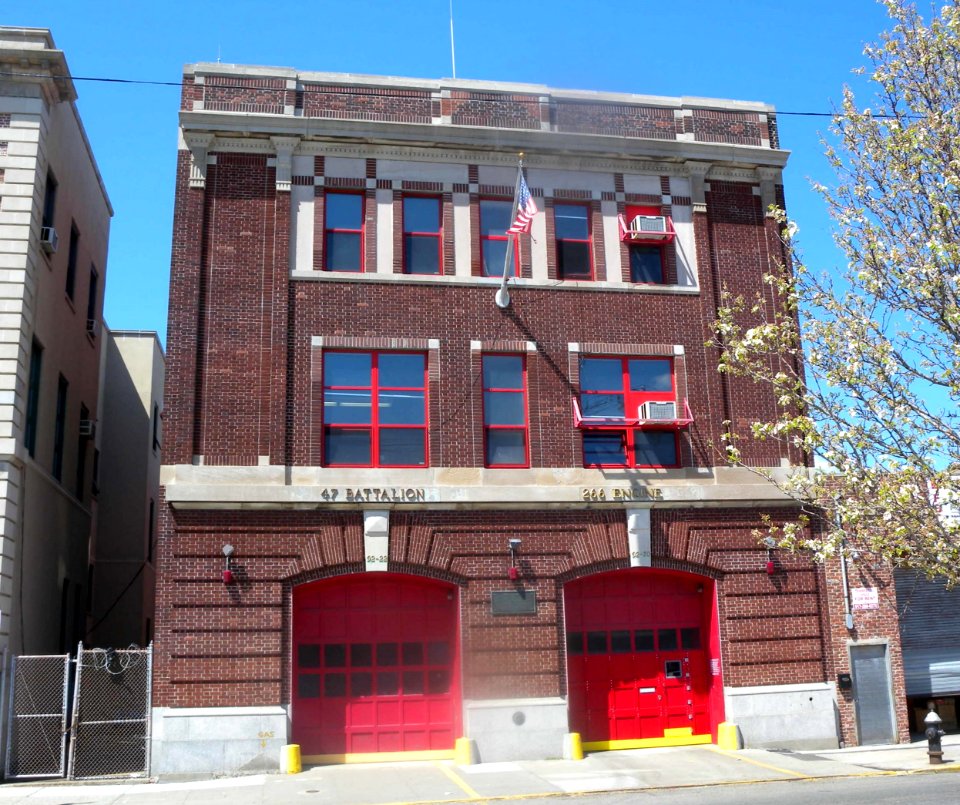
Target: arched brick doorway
{"points": [[375, 666], [642, 659]]}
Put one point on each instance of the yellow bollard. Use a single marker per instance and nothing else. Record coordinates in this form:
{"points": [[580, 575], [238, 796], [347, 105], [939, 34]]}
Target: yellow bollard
{"points": [[728, 736], [464, 752], [290, 759], [572, 746]]}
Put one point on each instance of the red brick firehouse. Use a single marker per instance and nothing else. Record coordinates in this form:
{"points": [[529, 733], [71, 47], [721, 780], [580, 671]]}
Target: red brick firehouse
{"points": [[397, 513]]}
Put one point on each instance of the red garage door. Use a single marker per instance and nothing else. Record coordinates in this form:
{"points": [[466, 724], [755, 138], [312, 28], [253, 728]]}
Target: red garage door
{"points": [[375, 665], [638, 670]]}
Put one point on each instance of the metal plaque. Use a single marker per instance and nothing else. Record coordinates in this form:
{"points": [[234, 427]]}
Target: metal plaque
{"points": [[513, 602]]}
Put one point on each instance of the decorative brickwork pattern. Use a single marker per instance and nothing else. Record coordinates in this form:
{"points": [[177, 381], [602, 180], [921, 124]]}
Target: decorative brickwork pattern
{"points": [[265, 96], [223, 645], [739, 128], [190, 93], [493, 109], [367, 103], [616, 120]]}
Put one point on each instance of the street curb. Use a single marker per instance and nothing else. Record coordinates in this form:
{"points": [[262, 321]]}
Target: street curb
{"points": [[680, 787]]}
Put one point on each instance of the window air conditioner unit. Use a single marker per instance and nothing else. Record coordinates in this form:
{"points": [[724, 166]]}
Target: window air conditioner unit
{"points": [[665, 411], [49, 239], [93, 326], [88, 428], [648, 225]]}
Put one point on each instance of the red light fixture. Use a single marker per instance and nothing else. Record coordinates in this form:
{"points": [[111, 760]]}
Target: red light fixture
{"points": [[227, 575], [771, 543], [513, 572]]}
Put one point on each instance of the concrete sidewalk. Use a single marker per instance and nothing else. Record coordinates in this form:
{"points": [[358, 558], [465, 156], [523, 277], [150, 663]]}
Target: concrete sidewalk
{"points": [[441, 781]]}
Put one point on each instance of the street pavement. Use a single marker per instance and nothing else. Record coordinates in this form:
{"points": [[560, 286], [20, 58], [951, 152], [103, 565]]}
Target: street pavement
{"points": [[442, 781]]}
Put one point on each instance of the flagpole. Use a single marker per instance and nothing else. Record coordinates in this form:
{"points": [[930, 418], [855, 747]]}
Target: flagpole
{"points": [[502, 297]]}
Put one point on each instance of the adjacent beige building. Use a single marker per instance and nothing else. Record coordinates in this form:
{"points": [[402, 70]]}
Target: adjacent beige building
{"points": [[131, 396], [54, 226]]}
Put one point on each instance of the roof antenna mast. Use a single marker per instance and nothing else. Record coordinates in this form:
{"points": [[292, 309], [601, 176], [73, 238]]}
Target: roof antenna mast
{"points": [[453, 56]]}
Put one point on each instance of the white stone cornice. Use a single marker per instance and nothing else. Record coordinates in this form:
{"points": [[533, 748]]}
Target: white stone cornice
{"points": [[480, 140], [769, 178], [199, 144], [452, 156], [697, 171], [284, 147], [734, 174]]}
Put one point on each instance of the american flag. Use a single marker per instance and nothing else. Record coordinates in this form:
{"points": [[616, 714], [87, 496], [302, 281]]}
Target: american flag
{"points": [[526, 209]]}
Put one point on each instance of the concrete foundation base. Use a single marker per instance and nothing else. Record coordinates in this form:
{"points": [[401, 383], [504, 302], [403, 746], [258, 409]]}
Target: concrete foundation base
{"points": [[516, 729], [785, 716], [217, 740]]}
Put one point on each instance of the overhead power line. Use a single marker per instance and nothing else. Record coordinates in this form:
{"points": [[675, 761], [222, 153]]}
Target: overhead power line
{"points": [[373, 93]]}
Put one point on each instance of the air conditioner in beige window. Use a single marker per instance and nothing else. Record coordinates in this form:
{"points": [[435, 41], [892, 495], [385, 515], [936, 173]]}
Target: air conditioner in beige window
{"points": [[88, 428], [649, 225], [658, 411], [48, 239], [93, 326]]}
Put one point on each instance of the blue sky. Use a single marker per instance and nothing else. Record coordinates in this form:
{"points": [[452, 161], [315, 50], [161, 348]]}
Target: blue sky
{"points": [[796, 56]]}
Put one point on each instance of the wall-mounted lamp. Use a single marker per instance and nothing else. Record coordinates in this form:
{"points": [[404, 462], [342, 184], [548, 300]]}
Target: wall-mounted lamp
{"points": [[514, 571], [771, 543], [227, 574]]}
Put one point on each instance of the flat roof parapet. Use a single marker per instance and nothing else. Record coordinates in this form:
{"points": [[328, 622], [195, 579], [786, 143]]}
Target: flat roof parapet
{"points": [[255, 90]]}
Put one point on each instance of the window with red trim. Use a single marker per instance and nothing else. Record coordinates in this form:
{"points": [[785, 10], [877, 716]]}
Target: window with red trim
{"points": [[647, 260], [422, 235], [343, 232], [574, 241], [494, 221], [505, 425], [374, 409], [617, 388]]}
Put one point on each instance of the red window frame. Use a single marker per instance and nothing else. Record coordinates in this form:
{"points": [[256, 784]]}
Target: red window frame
{"points": [[523, 428], [631, 404], [504, 238], [631, 211], [328, 230], [588, 241], [375, 426], [437, 235]]}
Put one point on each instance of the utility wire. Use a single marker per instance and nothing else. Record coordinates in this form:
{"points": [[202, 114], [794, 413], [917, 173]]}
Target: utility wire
{"points": [[372, 93], [116, 600]]}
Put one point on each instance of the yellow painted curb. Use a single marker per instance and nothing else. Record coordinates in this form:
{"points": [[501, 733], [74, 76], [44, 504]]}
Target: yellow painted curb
{"points": [[290, 759], [380, 757], [644, 743]]}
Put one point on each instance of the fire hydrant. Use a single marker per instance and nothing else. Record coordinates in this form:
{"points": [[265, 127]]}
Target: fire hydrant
{"points": [[933, 732]]}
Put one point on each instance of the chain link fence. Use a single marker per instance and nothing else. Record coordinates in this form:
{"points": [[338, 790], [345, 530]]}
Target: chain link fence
{"points": [[110, 731], [37, 740], [108, 715]]}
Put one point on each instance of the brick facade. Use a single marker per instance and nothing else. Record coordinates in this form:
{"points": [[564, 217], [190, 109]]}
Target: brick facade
{"points": [[252, 312], [772, 625]]}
